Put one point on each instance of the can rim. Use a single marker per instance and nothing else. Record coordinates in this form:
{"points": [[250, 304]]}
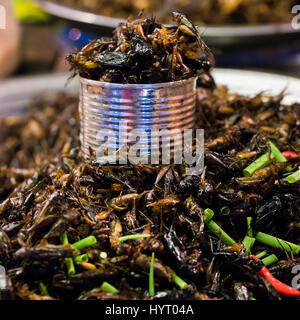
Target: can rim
{"points": [[133, 85]]}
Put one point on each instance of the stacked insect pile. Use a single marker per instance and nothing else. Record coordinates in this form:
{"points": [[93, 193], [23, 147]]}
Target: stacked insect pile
{"points": [[123, 214], [71, 229], [144, 51]]}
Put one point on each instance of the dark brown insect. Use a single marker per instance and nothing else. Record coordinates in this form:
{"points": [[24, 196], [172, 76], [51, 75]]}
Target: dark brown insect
{"points": [[144, 51], [47, 190]]}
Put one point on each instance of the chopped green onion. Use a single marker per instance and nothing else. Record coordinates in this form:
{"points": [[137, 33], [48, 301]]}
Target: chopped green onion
{"points": [[250, 231], [259, 163], [70, 266], [269, 260], [207, 215], [64, 238], [218, 231], [108, 288], [86, 242], [151, 277], [276, 153], [261, 254], [225, 211], [294, 177], [43, 290], [82, 258], [277, 243], [181, 283], [134, 237], [248, 243], [68, 261]]}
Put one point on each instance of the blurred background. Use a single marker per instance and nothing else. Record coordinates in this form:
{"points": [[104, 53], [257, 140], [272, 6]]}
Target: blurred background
{"points": [[36, 35]]}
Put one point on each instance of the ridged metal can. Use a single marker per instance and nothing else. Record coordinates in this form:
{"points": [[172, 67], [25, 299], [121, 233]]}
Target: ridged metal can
{"points": [[103, 106]]}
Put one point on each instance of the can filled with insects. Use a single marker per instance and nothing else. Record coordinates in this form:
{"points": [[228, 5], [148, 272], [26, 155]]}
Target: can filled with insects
{"points": [[140, 84]]}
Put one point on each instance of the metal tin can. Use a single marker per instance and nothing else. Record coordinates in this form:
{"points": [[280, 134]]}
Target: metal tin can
{"points": [[103, 106]]}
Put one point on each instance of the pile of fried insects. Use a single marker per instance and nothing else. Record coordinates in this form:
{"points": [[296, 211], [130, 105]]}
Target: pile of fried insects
{"points": [[76, 230], [144, 51], [72, 229]]}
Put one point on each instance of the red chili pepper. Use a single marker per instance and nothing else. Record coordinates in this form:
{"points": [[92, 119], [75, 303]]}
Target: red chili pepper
{"points": [[278, 285], [292, 155]]}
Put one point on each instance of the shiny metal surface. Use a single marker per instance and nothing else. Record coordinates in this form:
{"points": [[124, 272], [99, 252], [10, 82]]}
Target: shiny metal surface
{"points": [[103, 106], [17, 93]]}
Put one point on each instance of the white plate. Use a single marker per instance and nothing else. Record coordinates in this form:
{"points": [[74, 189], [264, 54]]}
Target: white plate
{"points": [[16, 94], [252, 82]]}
